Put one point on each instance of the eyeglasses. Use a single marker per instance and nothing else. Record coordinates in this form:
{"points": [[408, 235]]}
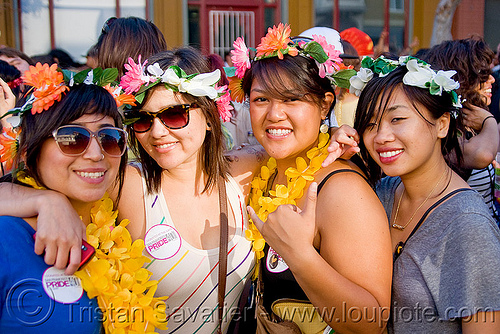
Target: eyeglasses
{"points": [[107, 25], [74, 140], [173, 117]]}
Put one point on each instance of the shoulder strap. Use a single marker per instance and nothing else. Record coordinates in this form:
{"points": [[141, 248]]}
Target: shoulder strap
{"points": [[222, 249], [322, 183], [400, 246]]}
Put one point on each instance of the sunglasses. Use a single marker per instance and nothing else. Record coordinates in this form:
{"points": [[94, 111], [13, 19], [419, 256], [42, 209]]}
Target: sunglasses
{"points": [[74, 140], [173, 117]]}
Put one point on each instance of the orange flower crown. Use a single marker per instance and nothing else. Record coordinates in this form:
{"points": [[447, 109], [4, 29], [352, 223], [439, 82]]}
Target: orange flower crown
{"points": [[278, 43], [48, 85]]}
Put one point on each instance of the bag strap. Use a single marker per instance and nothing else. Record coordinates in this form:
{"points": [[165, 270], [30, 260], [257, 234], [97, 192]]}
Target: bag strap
{"points": [[401, 244], [343, 170], [222, 249]]}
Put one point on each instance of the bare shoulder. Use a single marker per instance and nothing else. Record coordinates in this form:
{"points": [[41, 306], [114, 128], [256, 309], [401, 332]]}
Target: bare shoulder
{"points": [[245, 163], [131, 204]]}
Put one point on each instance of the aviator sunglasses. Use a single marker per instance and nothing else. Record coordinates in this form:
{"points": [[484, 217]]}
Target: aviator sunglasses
{"points": [[173, 117], [74, 140]]}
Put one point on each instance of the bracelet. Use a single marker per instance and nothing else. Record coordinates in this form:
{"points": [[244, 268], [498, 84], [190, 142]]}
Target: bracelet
{"points": [[484, 120]]}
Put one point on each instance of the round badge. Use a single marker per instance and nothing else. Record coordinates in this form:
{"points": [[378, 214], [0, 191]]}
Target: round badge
{"points": [[274, 262], [62, 288], [162, 241]]}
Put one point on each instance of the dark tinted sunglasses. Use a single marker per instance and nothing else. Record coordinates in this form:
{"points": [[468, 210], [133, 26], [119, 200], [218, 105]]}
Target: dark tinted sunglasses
{"points": [[74, 140], [173, 117]]}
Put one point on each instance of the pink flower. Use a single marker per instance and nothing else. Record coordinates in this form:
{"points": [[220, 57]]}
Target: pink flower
{"points": [[240, 57], [132, 81], [224, 105], [334, 60]]}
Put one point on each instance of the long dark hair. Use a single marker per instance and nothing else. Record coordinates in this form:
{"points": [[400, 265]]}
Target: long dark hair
{"points": [[78, 101], [214, 162], [471, 58], [373, 103]]}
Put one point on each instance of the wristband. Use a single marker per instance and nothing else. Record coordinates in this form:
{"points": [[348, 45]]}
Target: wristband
{"points": [[484, 120]]}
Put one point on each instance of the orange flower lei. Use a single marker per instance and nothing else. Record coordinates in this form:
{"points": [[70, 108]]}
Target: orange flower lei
{"points": [[9, 145], [297, 179], [115, 274]]}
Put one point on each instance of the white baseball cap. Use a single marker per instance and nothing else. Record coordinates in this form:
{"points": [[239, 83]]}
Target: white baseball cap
{"points": [[332, 36]]}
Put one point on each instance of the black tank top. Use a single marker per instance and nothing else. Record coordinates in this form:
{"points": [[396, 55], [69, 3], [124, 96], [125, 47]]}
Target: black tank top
{"points": [[278, 280]]}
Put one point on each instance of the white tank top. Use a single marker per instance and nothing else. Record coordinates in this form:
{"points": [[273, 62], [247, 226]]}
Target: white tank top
{"points": [[189, 276]]}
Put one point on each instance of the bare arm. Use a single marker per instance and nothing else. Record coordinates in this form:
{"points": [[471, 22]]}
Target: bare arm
{"points": [[354, 266], [482, 323], [481, 149], [59, 228]]}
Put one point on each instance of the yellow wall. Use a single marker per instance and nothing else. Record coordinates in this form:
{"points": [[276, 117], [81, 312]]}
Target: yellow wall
{"points": [[423, 21], [168, 17], [300, 15], [7, 23]]}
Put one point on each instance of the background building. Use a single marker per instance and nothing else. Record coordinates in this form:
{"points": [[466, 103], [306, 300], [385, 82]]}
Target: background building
{"points": [[37, 26]]}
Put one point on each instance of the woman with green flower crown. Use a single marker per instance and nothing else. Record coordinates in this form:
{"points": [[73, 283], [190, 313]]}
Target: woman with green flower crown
{"points": [[72, 144], [446, 245]]}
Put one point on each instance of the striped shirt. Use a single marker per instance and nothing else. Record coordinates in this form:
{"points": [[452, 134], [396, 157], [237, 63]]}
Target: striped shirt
{"points": [[482, 181], [190, 277]]}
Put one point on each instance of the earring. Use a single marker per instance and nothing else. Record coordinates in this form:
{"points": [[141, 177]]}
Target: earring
{"points": [[324, 126], [209, 127]]}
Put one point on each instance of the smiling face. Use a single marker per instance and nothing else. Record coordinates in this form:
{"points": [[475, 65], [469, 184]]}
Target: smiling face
{"points": [[485, 89], [178, 147], [285, 128], [84, 178], [401, 141]]}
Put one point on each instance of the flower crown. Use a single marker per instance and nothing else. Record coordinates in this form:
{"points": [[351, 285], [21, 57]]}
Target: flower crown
{"points": [[48, 85], [278, 43], [139, 78], [419, 74]]}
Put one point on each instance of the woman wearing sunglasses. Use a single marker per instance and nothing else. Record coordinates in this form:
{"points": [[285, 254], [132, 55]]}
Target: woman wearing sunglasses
{"points": [[71, 143]]}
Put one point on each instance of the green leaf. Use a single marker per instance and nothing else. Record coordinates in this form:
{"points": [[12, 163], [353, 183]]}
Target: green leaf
{"points": [[434, 88], [13, 112], [367, 62], [178, 71], [171, 87], [67, 74], [341, 78], [97, 74], [230, 71], [80, 76], [140, 97], [315, 50], [128, 121], [108, 76]]}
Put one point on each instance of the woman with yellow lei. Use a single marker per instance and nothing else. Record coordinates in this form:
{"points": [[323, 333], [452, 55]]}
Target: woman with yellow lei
{"points": [[71, 142], [335, 252]]}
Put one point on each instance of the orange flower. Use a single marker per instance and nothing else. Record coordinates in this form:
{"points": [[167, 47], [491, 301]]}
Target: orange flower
{"points": [[8, 141], [49, 85], [120, 99], [235, 86], [276, 40]]}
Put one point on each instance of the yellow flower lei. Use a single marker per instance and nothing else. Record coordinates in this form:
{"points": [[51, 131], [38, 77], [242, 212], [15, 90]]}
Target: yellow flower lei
{"points": [[115, 274], [297, 179]]}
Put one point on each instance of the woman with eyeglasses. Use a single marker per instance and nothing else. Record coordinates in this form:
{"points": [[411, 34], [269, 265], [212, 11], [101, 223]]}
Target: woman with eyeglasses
{"points": [[72, 144]]}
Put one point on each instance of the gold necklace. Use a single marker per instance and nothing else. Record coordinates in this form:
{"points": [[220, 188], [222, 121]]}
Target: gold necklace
{"points": [[265, 202], [401, 228]]}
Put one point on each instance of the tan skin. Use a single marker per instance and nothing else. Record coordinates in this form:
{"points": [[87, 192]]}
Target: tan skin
{"points": [[353, 265], [420, 171]]}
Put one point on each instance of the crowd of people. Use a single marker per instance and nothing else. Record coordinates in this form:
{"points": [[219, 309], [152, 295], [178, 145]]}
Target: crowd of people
{"points": [[317, 184]]}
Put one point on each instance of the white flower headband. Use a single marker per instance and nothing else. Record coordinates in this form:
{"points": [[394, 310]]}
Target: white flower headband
{"points": [[419, 74], [138, 79]]}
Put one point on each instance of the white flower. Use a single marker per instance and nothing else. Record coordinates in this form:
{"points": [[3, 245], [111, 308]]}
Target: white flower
{"points": [[358, 82], [201, 85], [458, 102], [170, 77], [444, 80], [89, 79], [417, 75], [155, 70], [403, 60]]}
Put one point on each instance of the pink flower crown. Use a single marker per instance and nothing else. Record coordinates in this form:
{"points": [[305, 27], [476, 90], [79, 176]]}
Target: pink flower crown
{"points": [[139, 78], [278, 43]]}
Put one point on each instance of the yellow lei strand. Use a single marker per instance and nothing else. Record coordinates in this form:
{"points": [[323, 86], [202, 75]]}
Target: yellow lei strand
{"points": [[115, 275], [297, 179]]}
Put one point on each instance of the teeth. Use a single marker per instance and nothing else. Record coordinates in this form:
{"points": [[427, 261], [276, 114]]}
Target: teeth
{"points": [[389, 154], [488, 90], [165, 145], [278, 132], [91, 175]]}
